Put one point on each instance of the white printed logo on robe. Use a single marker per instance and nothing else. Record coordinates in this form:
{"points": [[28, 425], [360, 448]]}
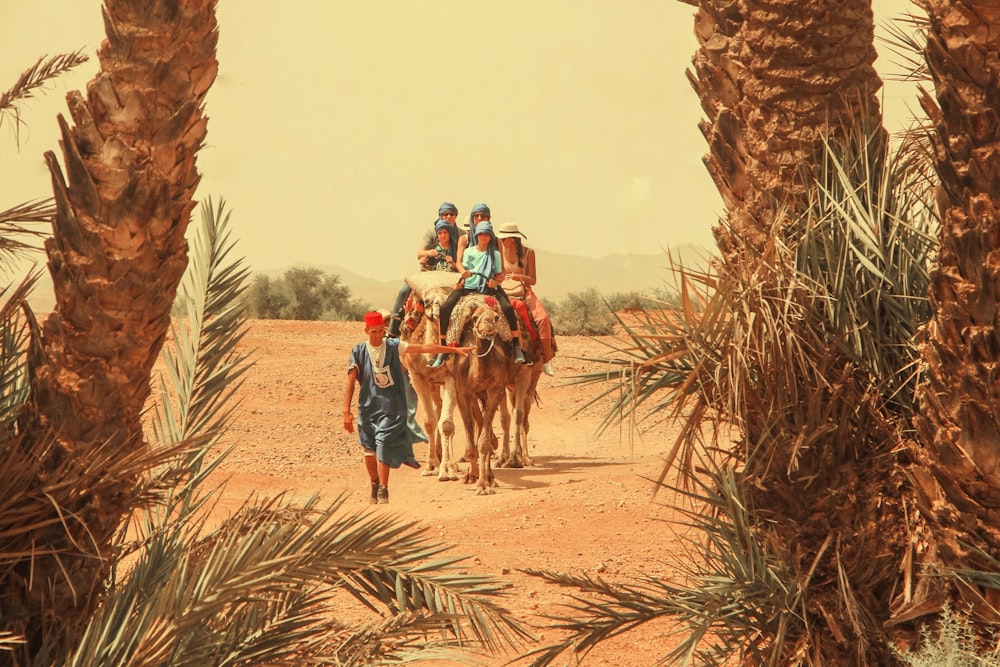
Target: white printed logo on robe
{"points": [[382, 377]]}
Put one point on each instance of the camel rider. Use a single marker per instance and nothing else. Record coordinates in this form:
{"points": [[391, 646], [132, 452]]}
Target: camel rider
{"points": [[479, 213], [483, 271], [447, 214], [441, 255], [519, 280]]}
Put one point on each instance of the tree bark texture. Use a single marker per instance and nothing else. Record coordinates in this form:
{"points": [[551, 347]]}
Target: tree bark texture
{"points": [[116, 256], [959, 420], [775, 77]]}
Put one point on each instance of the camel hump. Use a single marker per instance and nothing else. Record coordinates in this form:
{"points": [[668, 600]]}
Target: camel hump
{"points": [[425, 281], [483, 313]]}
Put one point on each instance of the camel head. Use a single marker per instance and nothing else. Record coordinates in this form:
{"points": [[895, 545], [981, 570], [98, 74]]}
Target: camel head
{"points": [[486, 320]]}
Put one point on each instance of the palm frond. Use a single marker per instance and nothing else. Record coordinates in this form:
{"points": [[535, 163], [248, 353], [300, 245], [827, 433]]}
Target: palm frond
{"points": [[204, 368], [260, 588], [732, 598], [35, 77], [907, 37], [18, 237]]}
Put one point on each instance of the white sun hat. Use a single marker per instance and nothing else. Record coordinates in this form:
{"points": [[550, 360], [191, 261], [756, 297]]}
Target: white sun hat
{"points": [[508, 230]]}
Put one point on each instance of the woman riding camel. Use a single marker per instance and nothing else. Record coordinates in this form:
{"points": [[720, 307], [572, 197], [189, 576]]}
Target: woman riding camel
{"points": [[519, 277], [482, 272]]}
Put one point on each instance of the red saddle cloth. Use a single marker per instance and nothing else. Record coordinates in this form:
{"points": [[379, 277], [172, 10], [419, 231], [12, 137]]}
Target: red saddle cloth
{"points": [[525, 317]]}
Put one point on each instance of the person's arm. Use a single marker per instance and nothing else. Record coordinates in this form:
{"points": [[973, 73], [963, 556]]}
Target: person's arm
{"points": [[527, 273], [352, 378], [430, 348], [529, 277], [430, 241], [463, 243], [425, 255], [498, 276]]}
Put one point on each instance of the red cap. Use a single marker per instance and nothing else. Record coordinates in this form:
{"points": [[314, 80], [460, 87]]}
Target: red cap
{"points": [[373, 319]]}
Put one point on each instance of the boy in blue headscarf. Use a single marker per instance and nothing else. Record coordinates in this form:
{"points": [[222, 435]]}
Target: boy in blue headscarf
{"points": [[447, 214], [441, 255], [479, 213], [483, 271]]}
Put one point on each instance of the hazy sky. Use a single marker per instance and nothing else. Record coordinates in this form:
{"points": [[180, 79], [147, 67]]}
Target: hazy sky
{"points": [[338, 126]]}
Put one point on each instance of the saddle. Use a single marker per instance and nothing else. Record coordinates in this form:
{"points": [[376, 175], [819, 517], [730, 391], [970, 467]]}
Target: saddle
{"points": [[475, 307], [428, 291], [516, 291]]}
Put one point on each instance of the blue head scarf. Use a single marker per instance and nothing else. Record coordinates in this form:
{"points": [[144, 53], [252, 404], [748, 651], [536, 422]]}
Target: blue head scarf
{"points": [[452, 235], [480, 208], [448, 207], [486, 227]]}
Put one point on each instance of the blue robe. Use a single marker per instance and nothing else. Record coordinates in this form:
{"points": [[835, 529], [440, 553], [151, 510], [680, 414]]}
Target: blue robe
{"points": [[382, 409]]}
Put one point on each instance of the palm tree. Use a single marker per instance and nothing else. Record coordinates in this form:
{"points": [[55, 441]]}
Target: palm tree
{"points": [[776, 80], [804, 549], [116, 255], [959, 419], [104, 551], [804, 343]]}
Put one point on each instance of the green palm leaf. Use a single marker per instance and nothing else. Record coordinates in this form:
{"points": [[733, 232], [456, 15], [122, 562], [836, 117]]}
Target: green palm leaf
{"points": [[262, 587]]}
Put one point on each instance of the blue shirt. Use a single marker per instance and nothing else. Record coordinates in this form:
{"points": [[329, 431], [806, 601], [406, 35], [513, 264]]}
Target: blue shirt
{"points": [[484, 264]]}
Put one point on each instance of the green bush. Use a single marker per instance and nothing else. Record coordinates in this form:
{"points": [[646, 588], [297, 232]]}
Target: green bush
{"points": [[622, 301], [648, 299], [302, 294], [582, 314], [954, 643]]}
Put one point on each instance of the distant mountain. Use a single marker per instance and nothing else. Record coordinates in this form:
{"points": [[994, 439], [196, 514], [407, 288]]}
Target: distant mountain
{"points": [[559, 275]]}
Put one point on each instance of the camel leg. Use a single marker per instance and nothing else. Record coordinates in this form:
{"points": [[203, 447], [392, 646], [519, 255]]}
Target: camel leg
{"points": [[445, 432], [504, 457], [430, 405], [487, 482], [472, 419]]}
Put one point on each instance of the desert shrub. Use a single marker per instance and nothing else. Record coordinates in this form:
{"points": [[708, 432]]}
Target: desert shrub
{"points": [[621, 301], [302, 294], [954, 644], [582, 314]]}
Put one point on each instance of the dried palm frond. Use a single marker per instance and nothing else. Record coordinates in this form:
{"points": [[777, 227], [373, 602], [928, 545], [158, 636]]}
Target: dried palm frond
{"points": [[907, 37], [32, 79], [734, 598], [807, 353], [18, 233]]}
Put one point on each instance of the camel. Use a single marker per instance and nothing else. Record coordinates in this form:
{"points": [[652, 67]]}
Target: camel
{"points": [[477, 384], [522, 393], [420, 324]]}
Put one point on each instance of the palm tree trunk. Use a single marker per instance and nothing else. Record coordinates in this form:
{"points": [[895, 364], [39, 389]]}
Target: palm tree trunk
{"points": [[779, 81], [959, 420], [116, 256], [775, 78]]}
